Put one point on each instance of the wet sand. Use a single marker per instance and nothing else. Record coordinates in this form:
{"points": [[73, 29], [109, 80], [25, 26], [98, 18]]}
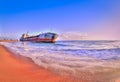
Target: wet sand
{"points": [[21, 69]]}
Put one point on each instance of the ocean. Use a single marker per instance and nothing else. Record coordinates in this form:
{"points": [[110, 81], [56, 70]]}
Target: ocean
{"points": [[71, 57]]}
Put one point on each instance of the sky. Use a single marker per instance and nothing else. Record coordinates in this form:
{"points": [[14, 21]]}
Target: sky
{"points": [[96, 19]]}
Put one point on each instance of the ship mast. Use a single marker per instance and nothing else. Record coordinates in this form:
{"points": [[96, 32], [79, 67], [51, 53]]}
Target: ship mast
{"points": [[27, 32], [51, 30]]}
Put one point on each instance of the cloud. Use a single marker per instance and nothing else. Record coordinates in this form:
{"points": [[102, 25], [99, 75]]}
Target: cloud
{"points": [[72, 36]]}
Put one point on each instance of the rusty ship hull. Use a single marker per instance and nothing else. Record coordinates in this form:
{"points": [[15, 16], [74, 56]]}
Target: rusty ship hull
{"points": [[44, 37]]}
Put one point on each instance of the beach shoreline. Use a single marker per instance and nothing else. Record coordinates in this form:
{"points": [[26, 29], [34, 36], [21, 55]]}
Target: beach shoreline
{"points": [[16, 68], [9, 40]]}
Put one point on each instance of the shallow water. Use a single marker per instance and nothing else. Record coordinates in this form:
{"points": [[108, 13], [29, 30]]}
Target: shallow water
{"points": [[71, 57]]}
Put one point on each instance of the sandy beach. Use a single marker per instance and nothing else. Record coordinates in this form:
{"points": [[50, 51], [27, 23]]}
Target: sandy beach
{"points": [[8, 40], [21, 69]]}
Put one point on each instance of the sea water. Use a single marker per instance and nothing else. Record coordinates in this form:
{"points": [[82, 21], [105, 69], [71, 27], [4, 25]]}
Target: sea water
{"points": [[71, 57]]}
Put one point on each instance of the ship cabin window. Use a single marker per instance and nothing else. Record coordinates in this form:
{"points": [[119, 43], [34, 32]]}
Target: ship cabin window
{"points": [[47, 35]]}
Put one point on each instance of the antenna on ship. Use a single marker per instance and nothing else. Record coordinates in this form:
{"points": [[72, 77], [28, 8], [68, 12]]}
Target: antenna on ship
{"points": [[51, 30], [27, 32]]}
